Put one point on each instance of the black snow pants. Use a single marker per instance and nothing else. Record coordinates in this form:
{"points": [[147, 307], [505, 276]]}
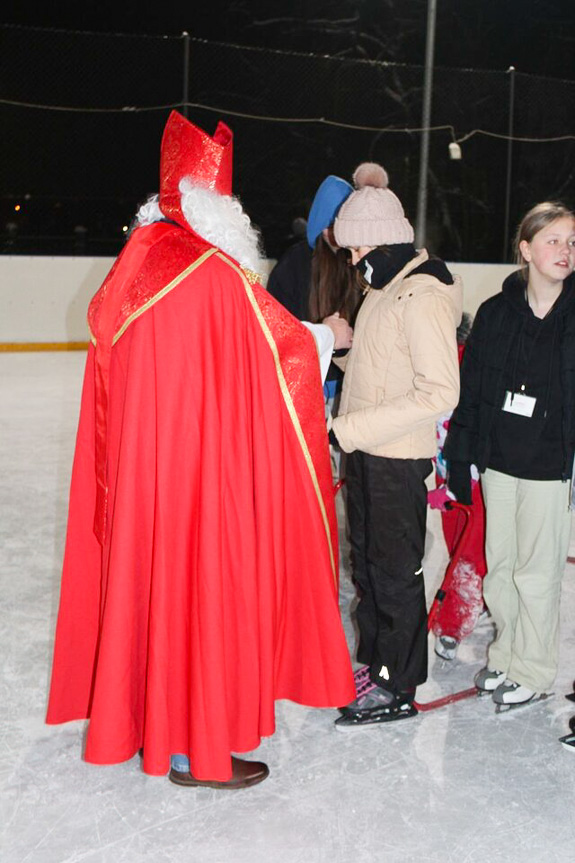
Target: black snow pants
{"points": [[387, 507]]}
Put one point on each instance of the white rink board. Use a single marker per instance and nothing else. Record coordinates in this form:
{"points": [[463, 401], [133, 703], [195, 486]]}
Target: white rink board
{"points": [[44, 299]]}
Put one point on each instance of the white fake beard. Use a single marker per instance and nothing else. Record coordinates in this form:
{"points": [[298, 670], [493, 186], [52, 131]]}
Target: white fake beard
{"points": [[219, 219]]}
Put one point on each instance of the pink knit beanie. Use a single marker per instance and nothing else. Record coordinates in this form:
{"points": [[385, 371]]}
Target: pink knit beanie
{"points": [[373, 215]]}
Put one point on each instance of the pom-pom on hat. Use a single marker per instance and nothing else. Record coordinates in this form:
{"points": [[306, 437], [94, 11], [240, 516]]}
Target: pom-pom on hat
{"points": [[326, 203], [372, 215]]}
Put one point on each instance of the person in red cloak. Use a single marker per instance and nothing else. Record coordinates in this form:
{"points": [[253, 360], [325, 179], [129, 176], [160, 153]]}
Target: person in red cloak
{"points": [[200, 579]]}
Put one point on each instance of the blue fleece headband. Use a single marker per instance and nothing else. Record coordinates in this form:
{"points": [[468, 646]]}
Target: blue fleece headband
{"points": [[328, 199]]}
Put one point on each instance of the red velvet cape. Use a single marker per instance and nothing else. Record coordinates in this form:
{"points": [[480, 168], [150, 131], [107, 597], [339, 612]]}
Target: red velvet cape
{"points": [[213, 588]]}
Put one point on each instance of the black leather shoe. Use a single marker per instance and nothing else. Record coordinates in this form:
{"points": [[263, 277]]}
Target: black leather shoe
{"points": [[244, 774]]}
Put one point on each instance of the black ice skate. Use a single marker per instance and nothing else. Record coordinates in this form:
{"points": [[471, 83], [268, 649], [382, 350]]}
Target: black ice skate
{"points": [[363, 685], [568, 742], [374, 708]]}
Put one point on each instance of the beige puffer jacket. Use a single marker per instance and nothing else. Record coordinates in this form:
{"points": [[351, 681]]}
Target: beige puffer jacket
{"points": [[402, 371]]}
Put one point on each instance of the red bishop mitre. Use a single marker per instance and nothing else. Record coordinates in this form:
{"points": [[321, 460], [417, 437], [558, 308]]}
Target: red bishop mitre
{"points": [[187, 151]]}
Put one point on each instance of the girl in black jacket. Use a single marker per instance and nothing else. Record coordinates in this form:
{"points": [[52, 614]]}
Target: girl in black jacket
{"points": [[515, 421]]}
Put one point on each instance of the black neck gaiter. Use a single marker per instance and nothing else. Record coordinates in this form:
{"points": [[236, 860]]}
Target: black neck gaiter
{"points": [[380, 266]]}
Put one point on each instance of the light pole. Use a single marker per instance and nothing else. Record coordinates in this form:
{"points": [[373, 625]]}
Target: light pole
{"points": [[420, 225], [505, 253], [186, 81]]}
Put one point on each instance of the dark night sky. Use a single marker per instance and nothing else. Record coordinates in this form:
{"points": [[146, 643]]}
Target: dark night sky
{"points": [[536, 36], [43, 151]]}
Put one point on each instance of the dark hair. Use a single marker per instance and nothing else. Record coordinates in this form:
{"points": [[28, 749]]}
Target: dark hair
{"points": [[534, 221], [334, 287]]}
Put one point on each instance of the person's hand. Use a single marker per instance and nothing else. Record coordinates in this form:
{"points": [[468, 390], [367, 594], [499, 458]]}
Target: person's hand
{"points": [[341, 330], [459, 481]]}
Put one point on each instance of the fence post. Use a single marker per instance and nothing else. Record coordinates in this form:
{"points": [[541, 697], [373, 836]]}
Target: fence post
{"points": [[186, 82], [505, 254], [420, 225]]}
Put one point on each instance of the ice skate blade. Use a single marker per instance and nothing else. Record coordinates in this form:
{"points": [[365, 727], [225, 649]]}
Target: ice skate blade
{"points": [[482, 693], [508, 708], [347, 724]]}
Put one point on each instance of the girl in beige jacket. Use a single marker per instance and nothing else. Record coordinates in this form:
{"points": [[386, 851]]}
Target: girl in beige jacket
{"points": [[401, 375]]}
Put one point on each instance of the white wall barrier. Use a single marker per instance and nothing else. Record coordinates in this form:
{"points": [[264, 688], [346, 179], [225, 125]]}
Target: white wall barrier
{"points": [[43, 300]]}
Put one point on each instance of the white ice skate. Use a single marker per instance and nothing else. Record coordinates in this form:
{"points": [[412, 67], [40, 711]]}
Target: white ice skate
{"points": [[510, 695], [446, 647], [487, 680]]}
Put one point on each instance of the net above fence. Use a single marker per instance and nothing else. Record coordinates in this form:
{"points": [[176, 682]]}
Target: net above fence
{"points": [[83, 115]]}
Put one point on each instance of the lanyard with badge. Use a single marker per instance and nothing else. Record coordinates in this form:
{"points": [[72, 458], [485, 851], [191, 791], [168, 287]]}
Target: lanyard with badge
{"points": [[520, 403]]}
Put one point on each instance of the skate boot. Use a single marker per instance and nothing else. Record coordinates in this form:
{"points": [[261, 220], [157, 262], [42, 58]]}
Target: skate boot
{"points": [[487, 680], [361, 673], [376, 707], [369, 695], [569, 740], [510, 695], [446, 647], [362, 680]]}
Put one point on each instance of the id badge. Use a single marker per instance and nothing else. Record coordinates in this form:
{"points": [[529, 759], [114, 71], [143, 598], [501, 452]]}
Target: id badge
{"points": [[519, 403]]}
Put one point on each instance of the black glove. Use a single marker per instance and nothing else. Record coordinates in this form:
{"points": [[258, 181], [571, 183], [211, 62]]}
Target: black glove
{"points": [[459, 481], [332, 438]]}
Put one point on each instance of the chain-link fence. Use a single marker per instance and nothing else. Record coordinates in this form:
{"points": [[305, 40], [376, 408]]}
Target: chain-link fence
{"points": [[83, 115]]}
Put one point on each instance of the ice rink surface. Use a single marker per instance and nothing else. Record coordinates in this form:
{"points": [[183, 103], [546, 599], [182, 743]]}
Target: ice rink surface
{"points": [[455, 785]]}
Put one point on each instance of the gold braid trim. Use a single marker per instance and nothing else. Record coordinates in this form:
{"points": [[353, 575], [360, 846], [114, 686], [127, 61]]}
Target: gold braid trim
{"points": [[246, 276], [253, 278], [160, 295]]}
